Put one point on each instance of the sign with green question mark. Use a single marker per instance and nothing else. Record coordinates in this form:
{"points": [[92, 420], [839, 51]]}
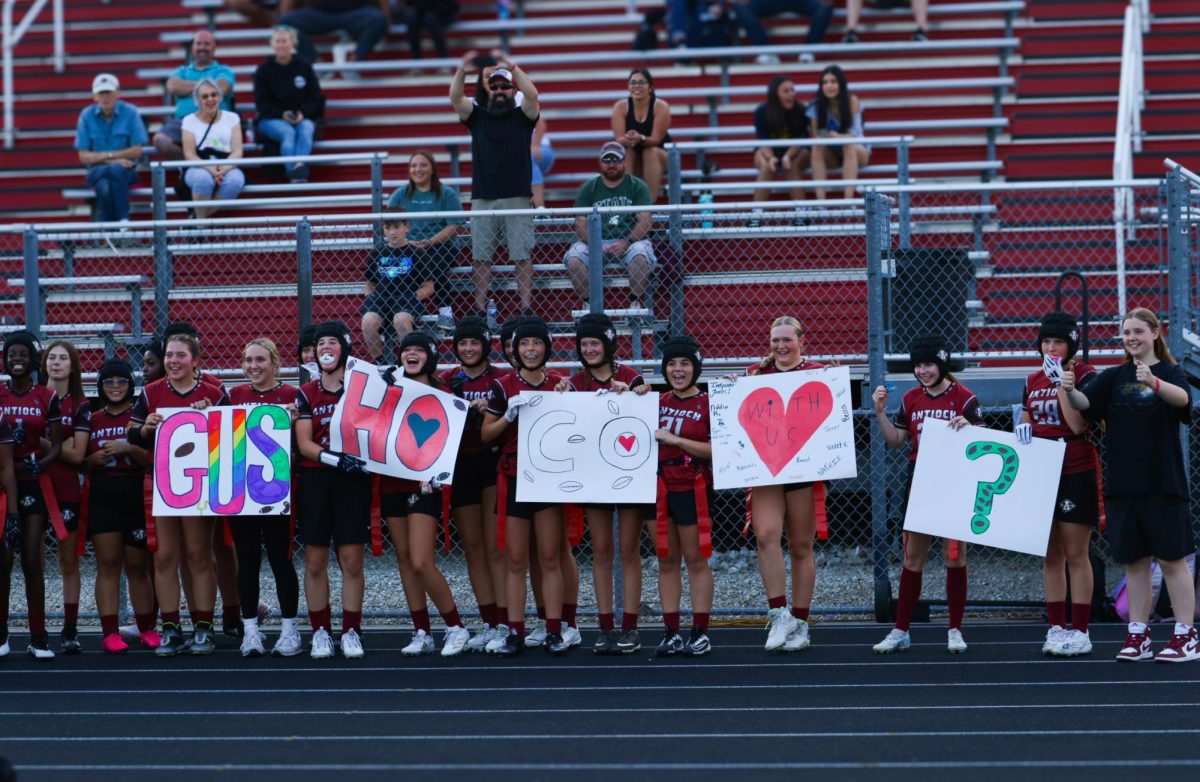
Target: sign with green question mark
{"points": [[985, 491]]}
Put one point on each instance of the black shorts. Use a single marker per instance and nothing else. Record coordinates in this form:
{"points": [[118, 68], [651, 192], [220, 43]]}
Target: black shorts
{"points": [[386, 304], [115, 504], [70, 515], [473, 472], [1140, 527], [30, 501], [524, 510], [1077, 502], [334, 505], [404, 503], [681, 508]]}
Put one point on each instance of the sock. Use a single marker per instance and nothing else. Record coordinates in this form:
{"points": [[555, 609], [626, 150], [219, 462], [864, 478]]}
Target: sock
{"points": [[569, 611], [1056, 613], [1182, 629], [319, 619], [671, 620], [232, 614], [1081, 614], [629, 620], [517, 628], [800, 613], [288, 624], [541, 613], [70, 619], [777, 602], [420, 619], [145, 622], [700, 623], [906, 602], [956, 595], [108, 624], [171, 617], [250, 625], [351, 620], [1136, 628], [554, 626], [205, 617], [37, 623], [489, 613], [607, 622]]}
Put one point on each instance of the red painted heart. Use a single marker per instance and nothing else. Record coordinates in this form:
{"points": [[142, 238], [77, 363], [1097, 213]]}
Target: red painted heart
{"points": [[627, 442], [778, 433]]}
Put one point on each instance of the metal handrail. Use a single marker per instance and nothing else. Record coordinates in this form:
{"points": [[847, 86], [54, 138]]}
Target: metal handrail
{"points": [[1131, 100], [12, 37]]}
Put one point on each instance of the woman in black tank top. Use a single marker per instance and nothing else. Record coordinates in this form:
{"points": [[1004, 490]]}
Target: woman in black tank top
{"points": [[640, 124]]}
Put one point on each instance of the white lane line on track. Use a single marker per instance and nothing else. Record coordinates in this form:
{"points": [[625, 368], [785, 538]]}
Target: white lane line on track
{"points": [[179, 770]]}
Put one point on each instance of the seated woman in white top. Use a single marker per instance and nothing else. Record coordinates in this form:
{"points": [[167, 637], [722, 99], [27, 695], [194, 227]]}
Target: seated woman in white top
{"points": [[207, 134]]}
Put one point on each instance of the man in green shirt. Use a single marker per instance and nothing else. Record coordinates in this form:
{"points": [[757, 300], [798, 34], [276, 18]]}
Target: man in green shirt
{"points": [[623, 234]]}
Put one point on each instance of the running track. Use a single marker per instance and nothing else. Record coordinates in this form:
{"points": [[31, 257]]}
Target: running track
{"points": [[999, 712]]}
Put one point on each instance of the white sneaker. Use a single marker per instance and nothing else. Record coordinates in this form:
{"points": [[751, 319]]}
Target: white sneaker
{"points": [[537, 635], [496, 641], [322, 645], [767, 59], [571, 636], [252, 643], [806, 57], [40, 654], [5, 649], [780, 625], [352, 648], [895, 641], [1054, 637], [955, 643], [421, 643], [455, 641], [288, 644], [798, 639], [1073, 643], [130, 631], [479, 640]]}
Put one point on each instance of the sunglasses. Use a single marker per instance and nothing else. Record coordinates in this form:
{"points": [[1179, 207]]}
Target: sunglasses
{"points": [[502, 86], [115, 382], [611, 160]]}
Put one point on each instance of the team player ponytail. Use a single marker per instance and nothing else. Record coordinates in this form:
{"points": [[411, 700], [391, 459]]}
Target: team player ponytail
{"points": [[1151, 320]]}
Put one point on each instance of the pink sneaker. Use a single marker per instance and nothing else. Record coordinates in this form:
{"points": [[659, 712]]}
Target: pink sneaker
{"points": [[1182, 648], [151, 639], [114, 644], [1136, 647]]}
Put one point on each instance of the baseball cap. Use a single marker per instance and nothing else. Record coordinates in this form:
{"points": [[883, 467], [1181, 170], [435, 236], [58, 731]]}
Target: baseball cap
{"points": [[105, 82], [612, 148], [500, 73]]}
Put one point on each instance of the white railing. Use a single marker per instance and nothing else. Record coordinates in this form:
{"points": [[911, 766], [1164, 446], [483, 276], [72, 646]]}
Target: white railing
{"points": [[12, 37], [1131, 100]]}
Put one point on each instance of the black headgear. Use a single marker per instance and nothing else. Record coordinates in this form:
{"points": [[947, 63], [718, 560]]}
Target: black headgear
{"points": [[30, 341], [115, 368], [180, 327], [476, 328], [599, 326], [683, 347], [507, 329], [535, 327], [337, 330], [420, 339], [1063, 326], [308, 338], [932, 349]]}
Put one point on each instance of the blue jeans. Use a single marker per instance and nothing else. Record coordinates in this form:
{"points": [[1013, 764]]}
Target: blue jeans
{"points": [[818, 12], [366, 25], [111, 181], [542, 167], [293, 139]]}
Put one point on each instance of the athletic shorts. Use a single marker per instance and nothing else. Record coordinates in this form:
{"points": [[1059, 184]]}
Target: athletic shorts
{"points": [[386, 304], [681, 508], [115, 504], [404, 503], [524, 510], [1140, 527], [70, 515], [486, 230], [334, 505], [642, 248], [30, 501], [1077, 502], [473, 472], [173, 129]]}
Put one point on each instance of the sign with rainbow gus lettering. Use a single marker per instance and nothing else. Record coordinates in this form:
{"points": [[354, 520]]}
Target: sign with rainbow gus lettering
{"points": [[223, 461]]}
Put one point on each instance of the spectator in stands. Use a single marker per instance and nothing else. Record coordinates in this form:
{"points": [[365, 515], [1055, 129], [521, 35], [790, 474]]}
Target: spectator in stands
{"points": [[433, 16], [501, 169], [288, 99], [854, 13], [640, 123], [436, 237], [750, 14], [836, 113], [212, 133], [109, 138], [623, 236], [780, 117], [182, 83], [366, 20], [542, 153], [260, 12], [399, 281]]}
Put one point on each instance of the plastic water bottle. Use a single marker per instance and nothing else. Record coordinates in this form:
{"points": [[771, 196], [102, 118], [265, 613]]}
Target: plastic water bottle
{"points": [[706, 215], [504, 9], [493, 314]]}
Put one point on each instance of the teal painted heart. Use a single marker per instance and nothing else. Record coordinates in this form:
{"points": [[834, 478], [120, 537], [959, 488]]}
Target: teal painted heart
{"points": [[422, 428]]}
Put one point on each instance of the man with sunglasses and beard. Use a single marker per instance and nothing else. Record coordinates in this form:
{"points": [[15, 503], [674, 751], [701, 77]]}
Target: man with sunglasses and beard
{"points": [[501, 132]]}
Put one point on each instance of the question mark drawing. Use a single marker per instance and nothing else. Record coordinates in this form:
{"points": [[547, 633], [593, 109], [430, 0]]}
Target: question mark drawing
{"points": [[986, 491]]}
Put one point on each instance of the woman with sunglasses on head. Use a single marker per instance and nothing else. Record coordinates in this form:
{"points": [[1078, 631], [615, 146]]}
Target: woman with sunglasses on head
{"points": [[640, 123]]}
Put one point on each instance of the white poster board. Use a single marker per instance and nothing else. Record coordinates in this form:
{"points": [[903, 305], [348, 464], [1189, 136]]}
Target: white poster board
{"points": [[223, 461], [981, 486], [586, 447], [409, 430], [759, 439]]}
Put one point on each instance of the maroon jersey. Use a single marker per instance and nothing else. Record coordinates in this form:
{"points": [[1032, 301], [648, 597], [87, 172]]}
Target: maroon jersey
{"points": [[103, 428], [314, 403], [5, 431], [161, 395], [583, 381], [464, 387], [686, 418], [65, 477], [506, 388], [30, 415], [1040, 401], [245, 394], [918, 405], [771, 369]]}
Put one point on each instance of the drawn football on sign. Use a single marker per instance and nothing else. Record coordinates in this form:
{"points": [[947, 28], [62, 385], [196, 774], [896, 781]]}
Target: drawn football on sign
{"points": [[624, 443], [422, 436]]}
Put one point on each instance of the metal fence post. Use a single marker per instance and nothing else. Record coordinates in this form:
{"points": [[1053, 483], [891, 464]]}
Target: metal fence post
{"points": [[675, 239], [377, 198], [304, 278], [34, 306], [903, 197], [674, 176], [163, 273], [595, 263], [878, 227], [1179, 275]]}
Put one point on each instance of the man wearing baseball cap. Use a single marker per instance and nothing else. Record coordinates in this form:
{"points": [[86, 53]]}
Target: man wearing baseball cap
{"points": [[622, 234], [109, 138]]}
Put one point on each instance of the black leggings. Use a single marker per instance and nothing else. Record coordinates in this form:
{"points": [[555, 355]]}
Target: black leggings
{"points": [[33, 533], [249, 535]]}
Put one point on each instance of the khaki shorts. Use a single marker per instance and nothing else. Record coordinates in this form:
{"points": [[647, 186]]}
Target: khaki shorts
{"points": [[642, 247], [486, 230]]}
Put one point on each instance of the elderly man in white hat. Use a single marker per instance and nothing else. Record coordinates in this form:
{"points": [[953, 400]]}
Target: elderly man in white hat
{"points": [[109, 139]]}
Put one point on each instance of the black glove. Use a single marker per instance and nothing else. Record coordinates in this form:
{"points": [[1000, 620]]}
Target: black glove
{"points": [[18, 432], [344, 462], [388, 373], [12, 531], [31, 466]]}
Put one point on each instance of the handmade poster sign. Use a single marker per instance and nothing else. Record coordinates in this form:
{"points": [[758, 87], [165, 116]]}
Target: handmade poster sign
{"points": [[782, 428], [981, 486], [408, 430], [223, 461], [583, 447]]}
